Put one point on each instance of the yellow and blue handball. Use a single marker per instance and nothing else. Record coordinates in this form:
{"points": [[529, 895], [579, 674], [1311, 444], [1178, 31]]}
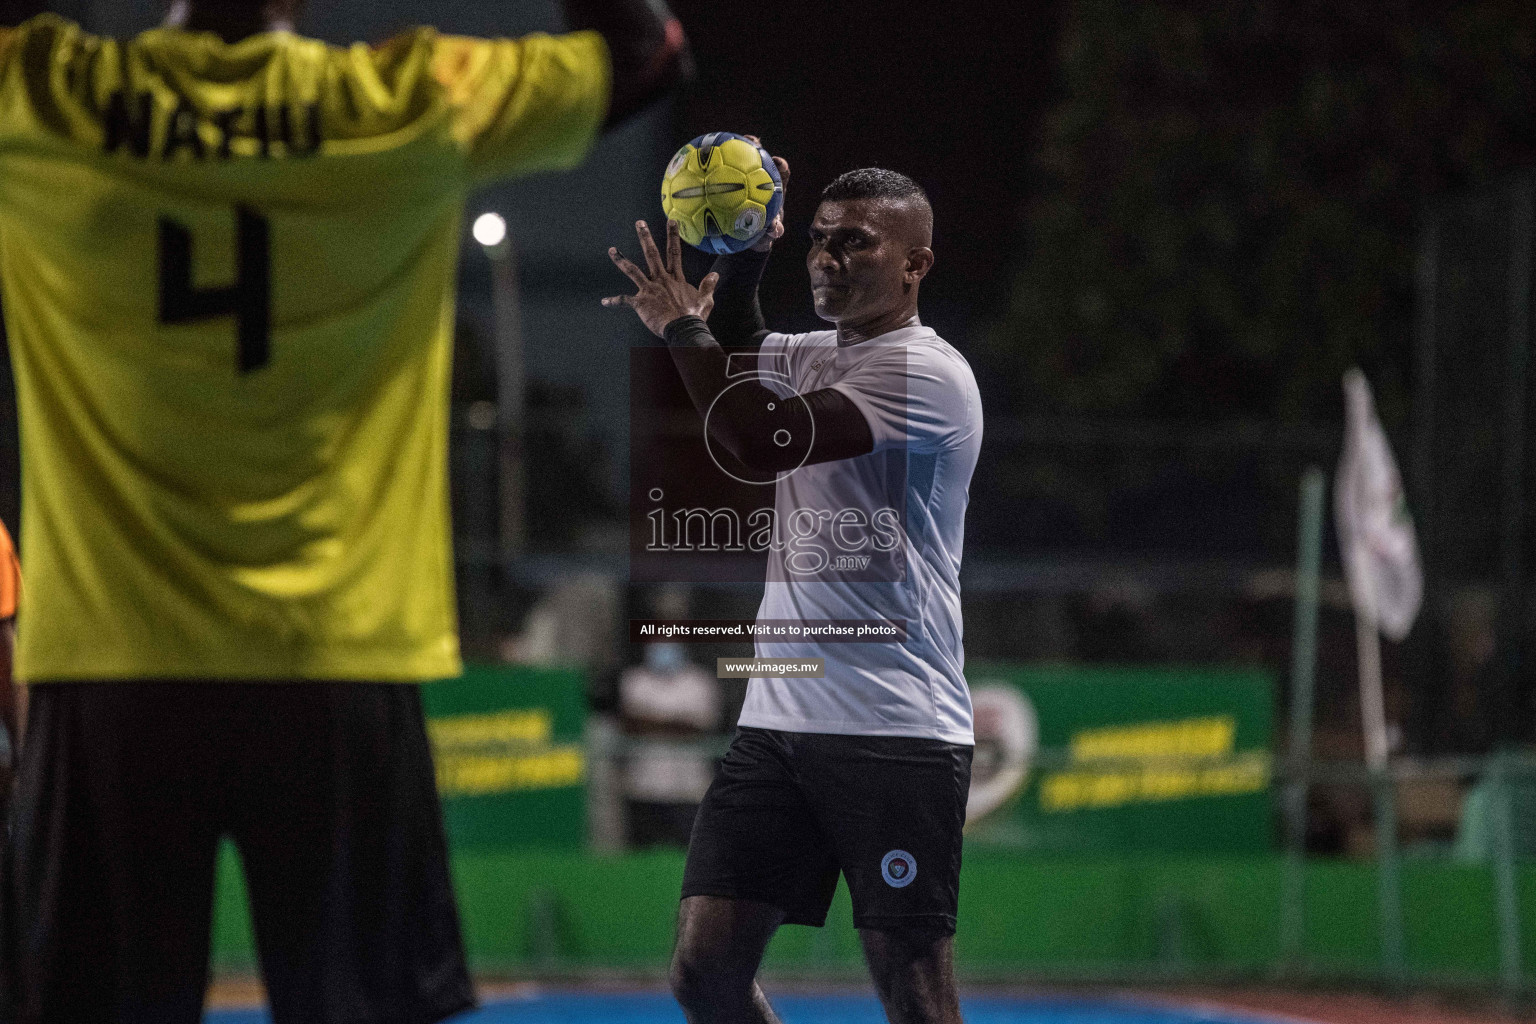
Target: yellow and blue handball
{"points": [[723, 190]]}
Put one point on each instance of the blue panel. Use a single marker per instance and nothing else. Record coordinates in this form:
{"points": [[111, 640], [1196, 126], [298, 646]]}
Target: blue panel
{"points": [[655, 1008]]}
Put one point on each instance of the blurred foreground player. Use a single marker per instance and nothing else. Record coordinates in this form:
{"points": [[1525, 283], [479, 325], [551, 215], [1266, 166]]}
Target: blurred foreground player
{"points": [[228, 256], [870, 434]]}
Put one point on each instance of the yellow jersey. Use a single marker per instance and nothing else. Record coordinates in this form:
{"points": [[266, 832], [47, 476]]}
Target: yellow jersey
{"points": [[229, 275]]}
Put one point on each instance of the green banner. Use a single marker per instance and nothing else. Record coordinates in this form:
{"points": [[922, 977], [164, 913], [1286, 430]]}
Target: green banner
{"points": [[508, 745], [1086, 759], [564, 914]]}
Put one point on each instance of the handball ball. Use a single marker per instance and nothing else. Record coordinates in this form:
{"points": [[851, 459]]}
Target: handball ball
{"points": [[723, 191]]}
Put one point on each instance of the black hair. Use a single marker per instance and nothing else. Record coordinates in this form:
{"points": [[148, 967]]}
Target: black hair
{"points": [[874, 183]]}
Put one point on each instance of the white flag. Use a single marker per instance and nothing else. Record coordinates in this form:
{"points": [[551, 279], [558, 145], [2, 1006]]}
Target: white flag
{"points": [[1380, 549]]}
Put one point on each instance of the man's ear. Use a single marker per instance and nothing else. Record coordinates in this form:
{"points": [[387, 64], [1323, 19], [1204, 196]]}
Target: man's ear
{"points": [[919, 262]]}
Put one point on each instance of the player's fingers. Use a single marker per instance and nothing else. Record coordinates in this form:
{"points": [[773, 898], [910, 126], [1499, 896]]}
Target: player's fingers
{"points": [[776, 229], [648, 246], [674, 248], [619, 300], [631, 271], [707, 286]]}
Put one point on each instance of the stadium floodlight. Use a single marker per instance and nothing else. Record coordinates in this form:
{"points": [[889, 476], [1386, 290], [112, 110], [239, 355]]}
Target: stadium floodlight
{"points": [[490, 229]]}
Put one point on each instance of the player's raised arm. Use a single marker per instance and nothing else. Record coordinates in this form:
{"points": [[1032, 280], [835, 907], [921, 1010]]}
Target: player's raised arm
{"points": [[537, 103], [737, 319], [744, 416], [646, 45]]}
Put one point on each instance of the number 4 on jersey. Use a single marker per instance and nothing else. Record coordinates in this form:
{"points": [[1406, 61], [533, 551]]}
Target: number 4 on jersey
{"points": [[248, 300]]}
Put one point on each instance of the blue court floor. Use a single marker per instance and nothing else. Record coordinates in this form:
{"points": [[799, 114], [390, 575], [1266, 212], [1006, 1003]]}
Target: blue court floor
{"points": [[656, 1008]]}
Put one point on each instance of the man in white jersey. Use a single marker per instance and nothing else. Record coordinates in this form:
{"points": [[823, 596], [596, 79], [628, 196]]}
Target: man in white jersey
{"points": [[872, 433]]}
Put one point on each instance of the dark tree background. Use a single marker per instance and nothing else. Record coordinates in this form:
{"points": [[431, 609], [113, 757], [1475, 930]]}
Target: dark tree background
{"points": [[1225, 196], [1150, 209], [948, 93]]}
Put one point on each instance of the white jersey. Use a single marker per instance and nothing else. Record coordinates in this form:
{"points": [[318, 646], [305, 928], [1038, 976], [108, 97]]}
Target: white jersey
{"points": [[876, 537]]}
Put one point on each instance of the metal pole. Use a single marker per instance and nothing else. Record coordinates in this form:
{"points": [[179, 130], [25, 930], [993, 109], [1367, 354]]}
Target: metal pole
{"points": [[1512, 527], [1373, 711], [1389, 877], [606, 827], [1506, 885], [510, 396], [1428, 684], [1309, 552], [1422, 480], [1373, 722]]}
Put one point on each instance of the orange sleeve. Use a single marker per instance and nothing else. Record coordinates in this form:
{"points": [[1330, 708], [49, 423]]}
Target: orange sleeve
{"points": [[10, 575]]}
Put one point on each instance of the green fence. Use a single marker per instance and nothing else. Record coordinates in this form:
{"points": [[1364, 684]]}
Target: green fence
{"points": [[1122, 917], [1131, 836]]}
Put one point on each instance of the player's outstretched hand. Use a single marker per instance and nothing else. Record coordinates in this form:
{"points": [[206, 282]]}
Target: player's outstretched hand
{"points": [[776, 229], [664, 293]]}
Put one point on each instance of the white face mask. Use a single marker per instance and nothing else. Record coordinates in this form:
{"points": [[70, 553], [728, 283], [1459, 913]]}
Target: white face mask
{"points": [[665, 657]]}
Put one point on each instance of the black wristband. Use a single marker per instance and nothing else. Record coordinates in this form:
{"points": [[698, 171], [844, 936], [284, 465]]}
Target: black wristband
{"points": [[738, 316], [686, 331]]}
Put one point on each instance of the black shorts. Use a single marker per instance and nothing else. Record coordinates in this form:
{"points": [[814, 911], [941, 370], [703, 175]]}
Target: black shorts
{"points": [[788, 810], [328, 792]]}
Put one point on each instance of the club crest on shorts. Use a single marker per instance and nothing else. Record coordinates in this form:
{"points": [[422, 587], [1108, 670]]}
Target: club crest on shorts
{"points": [[898, 868]]}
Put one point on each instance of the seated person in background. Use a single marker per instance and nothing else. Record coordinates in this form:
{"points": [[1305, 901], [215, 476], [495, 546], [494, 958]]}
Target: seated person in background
{"points": [[667, 704]]}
